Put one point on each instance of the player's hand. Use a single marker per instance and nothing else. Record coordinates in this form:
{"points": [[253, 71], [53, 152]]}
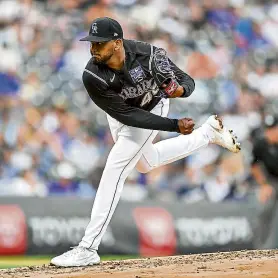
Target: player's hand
{"points": [[178, 91], [169, 87], [186, 125]]}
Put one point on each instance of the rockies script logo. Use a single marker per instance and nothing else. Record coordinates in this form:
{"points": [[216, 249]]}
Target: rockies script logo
{"points": [[94, 28], [135, 91], [147, 88]]}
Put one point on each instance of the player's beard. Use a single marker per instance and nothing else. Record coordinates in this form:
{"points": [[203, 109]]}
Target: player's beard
{"points": [[97, 60]]}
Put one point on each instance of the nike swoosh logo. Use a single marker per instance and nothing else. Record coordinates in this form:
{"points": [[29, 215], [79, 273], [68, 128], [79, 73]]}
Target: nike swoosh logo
{"points": [[112, 79]]}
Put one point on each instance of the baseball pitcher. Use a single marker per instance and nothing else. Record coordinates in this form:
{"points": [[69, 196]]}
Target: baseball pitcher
{"points": [[132, 82]]}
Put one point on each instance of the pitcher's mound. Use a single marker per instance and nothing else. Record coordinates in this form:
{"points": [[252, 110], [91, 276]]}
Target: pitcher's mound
{"points": [[214, 265]]}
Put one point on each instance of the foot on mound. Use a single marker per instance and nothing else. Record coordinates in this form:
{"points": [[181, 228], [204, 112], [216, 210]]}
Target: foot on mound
{"points": [[78, 256], [220, 135]]}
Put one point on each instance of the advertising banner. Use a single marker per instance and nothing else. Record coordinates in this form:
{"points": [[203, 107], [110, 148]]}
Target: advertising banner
{"points": [[53, 225]]}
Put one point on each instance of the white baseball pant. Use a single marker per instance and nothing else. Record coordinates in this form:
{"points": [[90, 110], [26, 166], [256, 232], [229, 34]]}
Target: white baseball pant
{"points": [[131, 145]]}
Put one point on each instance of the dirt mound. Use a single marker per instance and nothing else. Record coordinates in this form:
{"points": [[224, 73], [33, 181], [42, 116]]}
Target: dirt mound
{"points": [[214, 265]]}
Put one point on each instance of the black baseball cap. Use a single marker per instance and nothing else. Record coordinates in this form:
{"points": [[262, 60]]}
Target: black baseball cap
{"points": [[104, 29]]}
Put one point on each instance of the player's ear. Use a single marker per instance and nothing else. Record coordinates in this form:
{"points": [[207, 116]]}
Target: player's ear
{"points": [[118, 44]]}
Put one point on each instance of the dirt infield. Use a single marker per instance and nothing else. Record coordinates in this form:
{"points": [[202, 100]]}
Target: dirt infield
{"points": [[215, 265]]}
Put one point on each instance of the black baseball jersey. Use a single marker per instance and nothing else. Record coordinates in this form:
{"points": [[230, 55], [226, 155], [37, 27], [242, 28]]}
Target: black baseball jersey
{"points": [[129, 94]]}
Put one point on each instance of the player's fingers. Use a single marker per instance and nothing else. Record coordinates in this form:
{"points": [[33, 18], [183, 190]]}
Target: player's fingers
{"points": [[187, 130], [190, 121], [191, 124], [190, 130], [186, 125]]}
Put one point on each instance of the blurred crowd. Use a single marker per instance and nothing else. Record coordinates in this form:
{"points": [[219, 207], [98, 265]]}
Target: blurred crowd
{"points": [[55, 141]]}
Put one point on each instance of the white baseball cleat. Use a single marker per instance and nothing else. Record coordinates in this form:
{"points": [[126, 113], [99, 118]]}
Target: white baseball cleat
{"points": [[78, 256], [220, 135]]}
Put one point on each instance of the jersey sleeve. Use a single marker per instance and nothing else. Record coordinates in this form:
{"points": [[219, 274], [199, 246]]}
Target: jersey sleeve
{"points": [[114, 105], [184, 80]]}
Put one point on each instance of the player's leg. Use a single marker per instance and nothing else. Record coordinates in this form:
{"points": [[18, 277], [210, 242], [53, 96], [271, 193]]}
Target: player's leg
{"points": [[122, 159], [170, 150], [128, 148]]}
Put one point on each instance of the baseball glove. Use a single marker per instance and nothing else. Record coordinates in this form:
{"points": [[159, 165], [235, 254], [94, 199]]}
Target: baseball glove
{"points": [[163, 74]]}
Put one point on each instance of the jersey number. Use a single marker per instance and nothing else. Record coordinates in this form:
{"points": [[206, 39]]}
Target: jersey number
{"points": [[146, 99]]}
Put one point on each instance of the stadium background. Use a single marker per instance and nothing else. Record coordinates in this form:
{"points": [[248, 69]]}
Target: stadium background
{"points": [[54, 140]]}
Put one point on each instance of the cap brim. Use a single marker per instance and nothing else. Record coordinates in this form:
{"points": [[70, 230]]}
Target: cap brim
{"points": [[91, 38]]}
